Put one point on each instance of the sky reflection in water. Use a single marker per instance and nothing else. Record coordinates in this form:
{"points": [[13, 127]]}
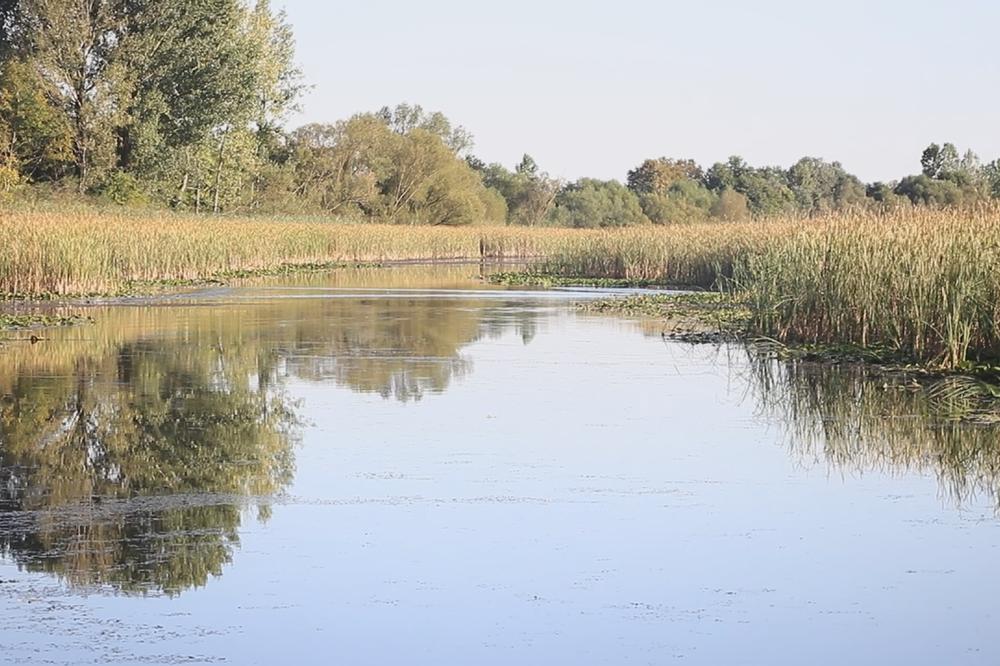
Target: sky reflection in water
{"points": [[407, 467]]}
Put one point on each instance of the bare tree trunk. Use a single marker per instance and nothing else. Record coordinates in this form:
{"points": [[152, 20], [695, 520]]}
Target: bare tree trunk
{"points": [[187, 176]]}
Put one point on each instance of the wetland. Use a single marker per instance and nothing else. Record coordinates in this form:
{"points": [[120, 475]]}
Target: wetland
{"points": [[412, 464]]}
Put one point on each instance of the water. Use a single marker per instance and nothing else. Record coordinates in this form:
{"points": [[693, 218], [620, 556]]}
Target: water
{"points": [[406, 466]]}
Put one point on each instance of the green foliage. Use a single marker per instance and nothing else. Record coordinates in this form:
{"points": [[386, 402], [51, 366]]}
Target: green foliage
{"points": [[529, 195], [590, 203], [820, 187], [683, 201], [939, 161], [766, 189], [34, 137], [183, 103], [731, 206], [991, 178], [929, 191], [393, 167], [884, 197], [657, 176], [121, 188], [405, 118]]}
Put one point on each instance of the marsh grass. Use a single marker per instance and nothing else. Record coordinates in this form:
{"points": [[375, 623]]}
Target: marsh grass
{"points": [[918, 284], [924, 285], [921, 283], [84, 252]]}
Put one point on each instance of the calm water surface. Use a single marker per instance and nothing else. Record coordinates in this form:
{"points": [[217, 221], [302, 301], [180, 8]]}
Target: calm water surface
{"points": [[404, 466]]}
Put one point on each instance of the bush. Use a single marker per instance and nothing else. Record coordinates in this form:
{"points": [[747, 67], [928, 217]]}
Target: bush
{"points": [[121, 188]]}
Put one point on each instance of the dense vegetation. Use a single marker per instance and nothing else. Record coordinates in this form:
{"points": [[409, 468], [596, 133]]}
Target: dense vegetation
{"points": [[901, 280], [921, 283], [172, 103]]}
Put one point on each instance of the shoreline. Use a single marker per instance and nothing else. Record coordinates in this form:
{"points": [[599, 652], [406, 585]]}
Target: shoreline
{"points": [[715, 318], [688, 314]]}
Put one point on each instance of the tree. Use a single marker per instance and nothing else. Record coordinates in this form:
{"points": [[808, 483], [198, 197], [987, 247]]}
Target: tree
{"points": [[730, 206], [656, 176], [529, 194], [330, 172], [405, 118], [527, 166], [389, 173], [279, 80], [944, 163], [766, 189], [590, 203], [991, 178], [11, 22], [820, 186], [929, 191], [939, 161], [684, 201], [884, 196], [35, 138], [72, 47]]}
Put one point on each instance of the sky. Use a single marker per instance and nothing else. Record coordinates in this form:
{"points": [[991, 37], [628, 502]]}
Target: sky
{"points": [[593, 88]]}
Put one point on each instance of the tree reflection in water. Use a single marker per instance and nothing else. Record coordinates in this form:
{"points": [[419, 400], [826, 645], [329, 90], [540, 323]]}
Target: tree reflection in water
{"points": [[128, 460]]}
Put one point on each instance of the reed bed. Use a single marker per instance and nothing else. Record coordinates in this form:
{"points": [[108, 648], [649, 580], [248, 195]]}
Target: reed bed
{"points": [[53, 254], [921, 282], [700, 255]]}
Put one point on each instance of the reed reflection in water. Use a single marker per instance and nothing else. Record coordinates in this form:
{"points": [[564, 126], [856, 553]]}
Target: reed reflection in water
{"points": [[856, 420]]}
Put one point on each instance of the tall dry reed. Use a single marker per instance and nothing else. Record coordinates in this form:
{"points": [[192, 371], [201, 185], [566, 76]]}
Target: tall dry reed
{"points": [[925, 283]]}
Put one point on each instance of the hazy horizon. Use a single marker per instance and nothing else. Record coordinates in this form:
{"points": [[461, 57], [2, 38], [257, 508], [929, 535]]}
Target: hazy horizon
{"points": [[591, 89]]}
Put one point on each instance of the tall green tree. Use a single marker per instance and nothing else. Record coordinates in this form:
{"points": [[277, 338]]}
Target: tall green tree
{"points": [[404, 118], [766, 188], [656, 176], [529, 193], [72, 45], [589, 203], [820, 186], [36, 140]]}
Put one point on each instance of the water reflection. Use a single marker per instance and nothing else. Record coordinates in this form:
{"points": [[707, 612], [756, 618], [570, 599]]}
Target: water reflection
{"points": [[82, 447], [132, 449], [856, 420]]}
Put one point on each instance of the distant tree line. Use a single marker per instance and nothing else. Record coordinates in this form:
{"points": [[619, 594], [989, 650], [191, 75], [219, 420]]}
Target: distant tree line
{"points": [[183, 103]]}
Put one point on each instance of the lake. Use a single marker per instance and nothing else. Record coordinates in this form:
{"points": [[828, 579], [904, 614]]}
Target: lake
{"points": [[406, 465]]}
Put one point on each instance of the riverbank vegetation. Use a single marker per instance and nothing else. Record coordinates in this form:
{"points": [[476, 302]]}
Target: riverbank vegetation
{"points": [[921, 282], [53, 254]]}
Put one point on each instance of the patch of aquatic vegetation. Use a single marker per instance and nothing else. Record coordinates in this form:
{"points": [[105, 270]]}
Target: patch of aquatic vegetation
{"points": [[29, 321], [970, 394], [135, 288], [153, 287], [693, 316], [548, 281]]}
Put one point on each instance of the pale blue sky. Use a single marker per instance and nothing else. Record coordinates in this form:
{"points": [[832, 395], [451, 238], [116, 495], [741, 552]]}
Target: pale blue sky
{"points": [[592, 88]]}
